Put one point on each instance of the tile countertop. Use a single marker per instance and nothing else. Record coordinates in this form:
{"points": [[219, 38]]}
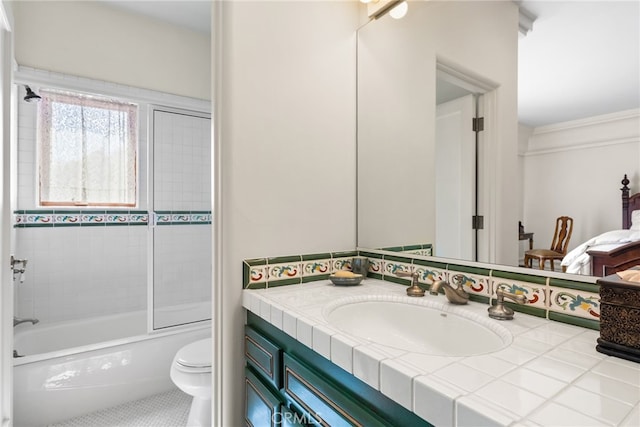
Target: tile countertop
{"points": [[550, 374]]}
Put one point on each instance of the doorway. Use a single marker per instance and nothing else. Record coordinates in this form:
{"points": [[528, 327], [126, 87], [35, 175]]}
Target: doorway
{"points": [[461, 99]]}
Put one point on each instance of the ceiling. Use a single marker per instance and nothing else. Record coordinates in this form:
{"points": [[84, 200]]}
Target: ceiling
{"points": [[581, 58], [191, 14]]}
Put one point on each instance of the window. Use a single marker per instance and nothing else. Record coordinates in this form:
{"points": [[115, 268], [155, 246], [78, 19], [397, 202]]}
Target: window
{"points": [[87, 150]]}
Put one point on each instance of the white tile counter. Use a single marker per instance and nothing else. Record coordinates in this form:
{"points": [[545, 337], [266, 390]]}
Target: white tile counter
{"points": [[550, 374]]}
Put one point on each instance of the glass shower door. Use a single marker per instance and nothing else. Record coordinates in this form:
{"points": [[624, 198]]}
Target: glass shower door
{"points": [[182, 239]]}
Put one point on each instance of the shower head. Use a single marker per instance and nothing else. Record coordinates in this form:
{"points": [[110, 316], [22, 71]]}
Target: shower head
{"points": [[31, 96]]}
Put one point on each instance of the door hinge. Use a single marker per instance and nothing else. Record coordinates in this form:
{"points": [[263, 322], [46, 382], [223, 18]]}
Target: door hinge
{"points": [[478, 124], [477, 222]]}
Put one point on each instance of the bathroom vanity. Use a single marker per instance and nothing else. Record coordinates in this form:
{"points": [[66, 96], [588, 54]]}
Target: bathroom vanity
{"points": [[303, 365], [287, 382]]}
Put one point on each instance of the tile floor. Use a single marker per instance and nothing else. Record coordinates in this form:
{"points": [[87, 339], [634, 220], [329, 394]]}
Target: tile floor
{"points": [[169, 409]]}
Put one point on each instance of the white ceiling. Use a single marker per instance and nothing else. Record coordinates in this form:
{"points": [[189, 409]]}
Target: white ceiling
{"points": [[581, 59], [192, 14]]}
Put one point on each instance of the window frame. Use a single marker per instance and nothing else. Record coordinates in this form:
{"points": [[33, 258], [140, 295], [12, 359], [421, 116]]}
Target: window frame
{"points": [[102, 101]]}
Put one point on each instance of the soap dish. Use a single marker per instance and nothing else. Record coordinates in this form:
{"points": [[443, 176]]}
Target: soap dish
{"points": [[346, 281]]}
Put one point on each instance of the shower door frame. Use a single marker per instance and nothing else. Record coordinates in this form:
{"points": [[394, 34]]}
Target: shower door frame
{"points": [[150, 188]]}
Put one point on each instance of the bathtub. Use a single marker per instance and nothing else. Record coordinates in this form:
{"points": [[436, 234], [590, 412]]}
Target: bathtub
{"points": [[74, 368]]}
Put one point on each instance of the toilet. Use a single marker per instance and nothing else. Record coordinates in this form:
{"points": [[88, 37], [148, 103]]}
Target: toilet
{"points": [[191, 373]]}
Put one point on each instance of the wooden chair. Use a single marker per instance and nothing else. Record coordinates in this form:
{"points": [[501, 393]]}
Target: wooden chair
{"points": [[561, 237]]}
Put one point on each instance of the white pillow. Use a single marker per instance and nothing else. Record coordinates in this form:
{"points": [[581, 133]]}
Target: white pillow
{"points": [[635, 220]]}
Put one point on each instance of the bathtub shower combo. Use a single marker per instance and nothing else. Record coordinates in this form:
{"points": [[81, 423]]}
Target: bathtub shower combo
{"points": [[110, 296], [73, 368]]}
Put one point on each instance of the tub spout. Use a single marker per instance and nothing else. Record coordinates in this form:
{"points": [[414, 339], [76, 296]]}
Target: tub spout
{"points": [[17, 321], [455, 295]]}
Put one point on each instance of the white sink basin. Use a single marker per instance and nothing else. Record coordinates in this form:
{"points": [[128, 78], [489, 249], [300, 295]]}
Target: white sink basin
{"points": [[418, 325]]}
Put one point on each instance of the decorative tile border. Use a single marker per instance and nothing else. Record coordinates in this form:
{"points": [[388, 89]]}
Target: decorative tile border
{"points": [[85, 218], [262, 273], [574, 303], [182, 217], [565, 301], [573, 298], [425, 249], [476, 281]]}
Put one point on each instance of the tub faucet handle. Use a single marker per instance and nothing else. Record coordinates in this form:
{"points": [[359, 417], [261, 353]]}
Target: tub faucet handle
{"points": [[18, 266]]}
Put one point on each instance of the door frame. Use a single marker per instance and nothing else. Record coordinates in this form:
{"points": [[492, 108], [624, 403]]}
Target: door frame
{"points": [[7, 95], [486, 93]]}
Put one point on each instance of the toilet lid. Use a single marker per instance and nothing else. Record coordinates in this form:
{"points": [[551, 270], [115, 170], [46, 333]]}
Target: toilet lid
{"points": [[195, 355]]}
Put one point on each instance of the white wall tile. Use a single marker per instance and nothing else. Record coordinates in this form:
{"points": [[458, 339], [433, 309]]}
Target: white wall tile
{"points": [[77, 272]]}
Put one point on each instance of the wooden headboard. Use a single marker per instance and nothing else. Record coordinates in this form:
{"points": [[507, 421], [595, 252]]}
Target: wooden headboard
{"points": [[629, 203], [621, 257]]}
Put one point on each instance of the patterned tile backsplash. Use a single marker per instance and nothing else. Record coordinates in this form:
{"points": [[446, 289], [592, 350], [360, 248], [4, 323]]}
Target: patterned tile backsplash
{"points": [[269, 272], [566, 301]]}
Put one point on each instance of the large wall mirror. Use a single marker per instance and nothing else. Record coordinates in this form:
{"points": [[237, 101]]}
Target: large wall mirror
{"points": [[413, 189]]}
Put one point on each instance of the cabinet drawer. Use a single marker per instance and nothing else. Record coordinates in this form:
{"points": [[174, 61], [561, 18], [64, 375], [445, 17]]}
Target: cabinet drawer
{"points": [[264, 356], [322, 401]]}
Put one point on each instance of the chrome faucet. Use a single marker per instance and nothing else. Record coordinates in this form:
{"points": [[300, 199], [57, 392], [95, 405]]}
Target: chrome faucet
{"points": [[455, 295], [501, 311], [17, 321]]}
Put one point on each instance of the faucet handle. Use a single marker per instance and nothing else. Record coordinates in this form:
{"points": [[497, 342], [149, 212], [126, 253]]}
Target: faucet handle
{"points": [[414, 290], [413, 275], [517, 298], [501, 311], [458, 279]]}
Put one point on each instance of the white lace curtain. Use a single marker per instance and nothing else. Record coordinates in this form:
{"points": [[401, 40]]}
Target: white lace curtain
{"points": [[87, 150]]}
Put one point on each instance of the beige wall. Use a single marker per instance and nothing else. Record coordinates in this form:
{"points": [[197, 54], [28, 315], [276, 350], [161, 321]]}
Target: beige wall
{"points": [[90, 39], [569, 169], [396, 129], [287, 140]]}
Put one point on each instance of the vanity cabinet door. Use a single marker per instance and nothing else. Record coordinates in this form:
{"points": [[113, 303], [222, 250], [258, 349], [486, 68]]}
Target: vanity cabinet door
{"points": [[264, 356], [261, 404], [266, 407], [288, 418], [321, 401]]}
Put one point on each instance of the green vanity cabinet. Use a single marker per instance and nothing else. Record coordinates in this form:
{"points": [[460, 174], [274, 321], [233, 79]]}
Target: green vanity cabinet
{"points": [[262, 405], [288, 384], [320, 401], [264, 356]]}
